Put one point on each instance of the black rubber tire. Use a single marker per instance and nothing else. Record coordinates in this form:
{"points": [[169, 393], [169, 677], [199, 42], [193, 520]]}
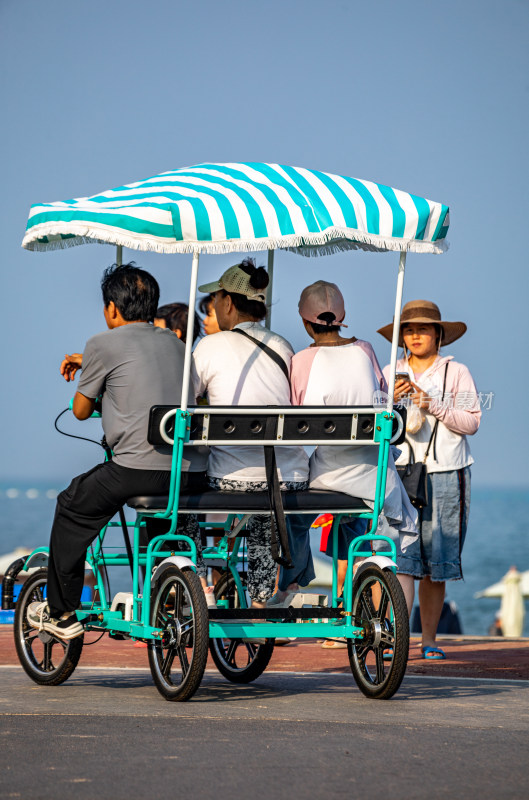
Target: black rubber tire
{"points": [[254, 658], [381, 680], [180, 589], [47, 660]]}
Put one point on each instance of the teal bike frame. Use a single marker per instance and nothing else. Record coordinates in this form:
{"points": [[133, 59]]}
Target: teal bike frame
{"points": [[99, 614]]}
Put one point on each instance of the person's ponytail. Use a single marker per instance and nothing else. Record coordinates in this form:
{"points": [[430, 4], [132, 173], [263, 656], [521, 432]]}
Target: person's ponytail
{"points": [[259, 278]]}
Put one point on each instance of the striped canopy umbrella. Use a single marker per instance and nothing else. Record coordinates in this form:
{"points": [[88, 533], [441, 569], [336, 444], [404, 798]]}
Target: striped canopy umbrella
{"points": [[221, 208]]}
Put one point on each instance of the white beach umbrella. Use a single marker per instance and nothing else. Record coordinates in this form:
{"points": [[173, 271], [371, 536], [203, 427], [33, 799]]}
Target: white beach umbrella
{"points": [[498, 589], [512, 610], [237, 207]]}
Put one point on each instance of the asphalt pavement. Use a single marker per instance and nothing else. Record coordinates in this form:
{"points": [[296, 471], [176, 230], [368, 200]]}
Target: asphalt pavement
{"points": [[107, 732]]}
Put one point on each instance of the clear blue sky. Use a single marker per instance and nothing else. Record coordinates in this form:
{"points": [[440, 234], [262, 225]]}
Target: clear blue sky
{"points": [[426, 97]]}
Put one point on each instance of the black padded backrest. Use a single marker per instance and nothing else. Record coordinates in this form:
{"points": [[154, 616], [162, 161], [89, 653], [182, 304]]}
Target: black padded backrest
{"points": [[255, 424]]}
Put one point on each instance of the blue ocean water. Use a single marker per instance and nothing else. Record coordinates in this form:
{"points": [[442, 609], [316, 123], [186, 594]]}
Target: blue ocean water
{"points": [[497, 538]]}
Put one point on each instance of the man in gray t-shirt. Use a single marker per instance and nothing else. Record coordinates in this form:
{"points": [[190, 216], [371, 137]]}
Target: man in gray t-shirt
{"points": [[133, 366]]}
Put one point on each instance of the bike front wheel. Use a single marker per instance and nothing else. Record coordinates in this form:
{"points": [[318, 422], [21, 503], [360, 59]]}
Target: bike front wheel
{"points": [[378, 660], [178, 659]]}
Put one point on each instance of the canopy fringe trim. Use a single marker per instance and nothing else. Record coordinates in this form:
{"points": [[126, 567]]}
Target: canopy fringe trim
{"points": [[327, 242]]}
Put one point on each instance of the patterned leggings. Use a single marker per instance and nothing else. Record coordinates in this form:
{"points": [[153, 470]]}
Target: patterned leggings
{"points": [[187, 526], [262, 568]]}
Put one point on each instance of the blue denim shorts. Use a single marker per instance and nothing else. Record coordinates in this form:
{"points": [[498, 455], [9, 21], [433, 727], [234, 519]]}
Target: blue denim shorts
{"points": [[443, 528]]}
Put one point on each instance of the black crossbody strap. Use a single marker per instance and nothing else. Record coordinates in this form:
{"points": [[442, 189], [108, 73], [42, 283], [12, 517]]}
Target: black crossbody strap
{"points": [[268, 350], [279, 535], [433, 437], [277, 517], [410, 450]]}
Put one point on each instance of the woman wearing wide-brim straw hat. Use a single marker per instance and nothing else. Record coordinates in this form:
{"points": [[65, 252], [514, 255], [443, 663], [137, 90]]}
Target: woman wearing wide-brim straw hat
{"points": [[444, 396]]}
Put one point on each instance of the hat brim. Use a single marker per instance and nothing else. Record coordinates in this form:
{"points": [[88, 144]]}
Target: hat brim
{"points": [[451, 330], [210, 288]]}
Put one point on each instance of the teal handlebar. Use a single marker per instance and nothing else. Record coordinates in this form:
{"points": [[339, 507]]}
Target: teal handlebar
{"points": [[94, 414]]}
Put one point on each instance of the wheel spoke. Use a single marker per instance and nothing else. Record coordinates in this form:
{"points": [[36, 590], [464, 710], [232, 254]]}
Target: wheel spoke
{"points": [[162, 618], [383, 605], [168, 661], [361, 653], [186, 628], [379, 656], [47, 664], [182, 655], [252, 649], [387, 639], [177, 601], [230, 652], [367, 607]]}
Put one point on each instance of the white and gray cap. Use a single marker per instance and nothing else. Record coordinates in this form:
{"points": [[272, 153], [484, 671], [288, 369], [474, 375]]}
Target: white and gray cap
{"points": [[235, 280]]}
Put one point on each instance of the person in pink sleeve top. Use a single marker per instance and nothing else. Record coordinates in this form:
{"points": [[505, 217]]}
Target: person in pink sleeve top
{"points": [[444, 398], [339, 371]]}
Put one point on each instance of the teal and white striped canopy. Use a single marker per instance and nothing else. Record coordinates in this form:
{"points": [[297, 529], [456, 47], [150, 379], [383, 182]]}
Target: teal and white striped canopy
{"points": [[220, 208]]}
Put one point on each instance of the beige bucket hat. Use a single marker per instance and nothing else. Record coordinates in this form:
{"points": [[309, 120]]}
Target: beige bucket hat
{"points": [[428, 312]]}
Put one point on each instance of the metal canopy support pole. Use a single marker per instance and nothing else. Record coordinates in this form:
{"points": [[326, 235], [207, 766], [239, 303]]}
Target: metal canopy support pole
{"points": [[268, 318], [119, 255], [396, 331], [189, 335]]}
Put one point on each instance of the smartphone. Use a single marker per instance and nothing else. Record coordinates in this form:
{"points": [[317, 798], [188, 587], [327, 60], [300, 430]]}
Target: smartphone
{"points": [[401, 376]]}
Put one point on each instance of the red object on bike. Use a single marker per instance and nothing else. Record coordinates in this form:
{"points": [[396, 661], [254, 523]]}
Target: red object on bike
{"points": [[324, 521]]}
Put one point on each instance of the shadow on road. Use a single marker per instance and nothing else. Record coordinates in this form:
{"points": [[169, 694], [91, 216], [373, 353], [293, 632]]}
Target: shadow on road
{"points": [[216, 689]]}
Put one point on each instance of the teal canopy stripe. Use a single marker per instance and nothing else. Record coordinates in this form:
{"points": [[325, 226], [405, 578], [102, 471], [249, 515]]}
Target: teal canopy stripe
{"points": [[244, 207], [256, 215]]}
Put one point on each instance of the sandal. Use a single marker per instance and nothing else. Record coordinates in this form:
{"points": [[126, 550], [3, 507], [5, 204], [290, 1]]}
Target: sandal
{"points": [[209, 592], [334, 644], [433, 653]]}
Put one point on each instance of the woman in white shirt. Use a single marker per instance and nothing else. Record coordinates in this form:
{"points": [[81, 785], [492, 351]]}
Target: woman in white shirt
{"points": [[447, 410], [231, 369]]}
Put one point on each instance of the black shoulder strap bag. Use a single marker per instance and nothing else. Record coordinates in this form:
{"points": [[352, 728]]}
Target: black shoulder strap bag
{"points": [[268, 350], [278, 522], [414, 476]]}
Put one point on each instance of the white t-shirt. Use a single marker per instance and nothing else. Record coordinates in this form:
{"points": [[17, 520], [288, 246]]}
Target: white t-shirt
{"points": [[233, 371]]}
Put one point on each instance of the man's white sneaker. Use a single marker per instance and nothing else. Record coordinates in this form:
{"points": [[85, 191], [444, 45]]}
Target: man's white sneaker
{"points": [[65, 627]]}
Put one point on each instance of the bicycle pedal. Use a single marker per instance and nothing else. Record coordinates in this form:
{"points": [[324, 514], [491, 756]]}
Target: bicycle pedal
{"points": [[90, 619]]}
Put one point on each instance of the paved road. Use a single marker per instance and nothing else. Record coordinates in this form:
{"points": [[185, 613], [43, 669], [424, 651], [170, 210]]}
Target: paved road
{"points": [[108, 733]]}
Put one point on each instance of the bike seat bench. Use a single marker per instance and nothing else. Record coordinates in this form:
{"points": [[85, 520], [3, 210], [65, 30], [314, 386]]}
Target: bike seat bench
{"points": [[215, 501]]}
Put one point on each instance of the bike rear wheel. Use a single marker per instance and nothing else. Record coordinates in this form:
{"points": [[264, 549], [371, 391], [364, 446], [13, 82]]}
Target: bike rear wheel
{"points": [[238, 660], [47, 659]]}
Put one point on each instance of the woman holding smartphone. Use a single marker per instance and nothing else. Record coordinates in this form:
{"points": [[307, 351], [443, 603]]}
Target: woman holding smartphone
{"points": [[444, 396]]}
